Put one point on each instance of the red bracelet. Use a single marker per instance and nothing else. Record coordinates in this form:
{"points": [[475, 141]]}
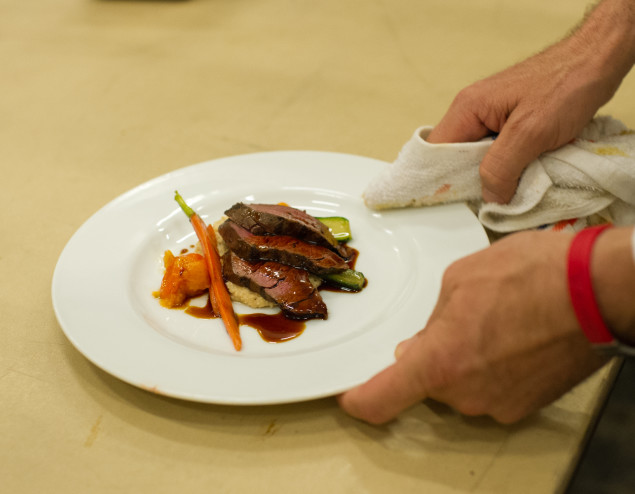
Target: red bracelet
{"points": [[580, 287]]}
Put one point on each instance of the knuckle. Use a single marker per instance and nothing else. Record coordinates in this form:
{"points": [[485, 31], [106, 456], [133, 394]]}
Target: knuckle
{"points": [[454, 273], [469, 96], [449, 275], [497, 170], [464, 97], [499, 190], [499, 176]]}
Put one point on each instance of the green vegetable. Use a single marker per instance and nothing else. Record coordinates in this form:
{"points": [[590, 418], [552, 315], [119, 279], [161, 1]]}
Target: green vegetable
{"points": [[339, 226], [349, 279]]}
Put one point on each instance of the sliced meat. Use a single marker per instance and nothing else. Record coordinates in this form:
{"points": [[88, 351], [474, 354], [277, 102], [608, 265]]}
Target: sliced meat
{"points": [[281, 248], [284, 285], [275, 219]]}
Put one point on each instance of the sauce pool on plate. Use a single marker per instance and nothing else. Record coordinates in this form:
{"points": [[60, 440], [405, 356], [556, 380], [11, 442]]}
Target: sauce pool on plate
{"points": [[273, 328]]}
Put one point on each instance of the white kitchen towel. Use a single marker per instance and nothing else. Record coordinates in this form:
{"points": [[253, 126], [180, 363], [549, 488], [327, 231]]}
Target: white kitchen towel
{"points": [[592, 175]]}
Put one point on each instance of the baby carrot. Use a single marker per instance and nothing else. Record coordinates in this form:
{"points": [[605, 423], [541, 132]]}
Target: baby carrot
{"points": [[211, 235], [219, 295]]}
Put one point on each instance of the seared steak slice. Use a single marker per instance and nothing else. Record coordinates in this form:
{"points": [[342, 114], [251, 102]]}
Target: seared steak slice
{"points": [[284, 285], [281, 248], [274, 219]]}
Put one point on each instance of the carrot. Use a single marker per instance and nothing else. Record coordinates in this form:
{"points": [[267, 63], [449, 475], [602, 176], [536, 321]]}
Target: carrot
{"points": [[219, 295], [213, 252]]}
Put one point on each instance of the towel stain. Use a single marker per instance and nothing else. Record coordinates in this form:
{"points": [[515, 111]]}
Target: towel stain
{"points": [[561, 225], [609, 151], [94, 432], [444, 188]]}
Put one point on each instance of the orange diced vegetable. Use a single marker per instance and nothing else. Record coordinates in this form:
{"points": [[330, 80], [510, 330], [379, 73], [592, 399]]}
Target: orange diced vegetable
{"points": [[185, 277]]}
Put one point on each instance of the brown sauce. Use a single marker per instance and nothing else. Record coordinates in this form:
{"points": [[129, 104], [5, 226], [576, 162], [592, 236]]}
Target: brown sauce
{"points": [[204, 312], [273, 328], [185, 250], [353, 259], [326, 287]]}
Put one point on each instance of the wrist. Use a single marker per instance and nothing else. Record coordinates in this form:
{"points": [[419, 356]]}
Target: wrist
{"points": [[612, 270]]}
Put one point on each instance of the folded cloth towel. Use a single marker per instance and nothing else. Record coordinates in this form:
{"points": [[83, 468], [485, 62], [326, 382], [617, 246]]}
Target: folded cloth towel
{"points": [[592, 175]]}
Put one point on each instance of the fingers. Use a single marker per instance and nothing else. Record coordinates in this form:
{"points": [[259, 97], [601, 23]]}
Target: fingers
{"points": [[525, 131], [461, 123], [399, 386], [521, 140], [507, 158], [394, 389], [457, 127], [513, 150]]}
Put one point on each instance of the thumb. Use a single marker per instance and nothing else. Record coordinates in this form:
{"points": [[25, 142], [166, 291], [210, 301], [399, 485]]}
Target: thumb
{"points": [[394, 389], [458, 126], [512, 151]]}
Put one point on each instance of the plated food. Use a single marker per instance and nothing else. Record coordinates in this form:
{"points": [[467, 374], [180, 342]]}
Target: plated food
{"points": [[108, 312], [262, 255]]}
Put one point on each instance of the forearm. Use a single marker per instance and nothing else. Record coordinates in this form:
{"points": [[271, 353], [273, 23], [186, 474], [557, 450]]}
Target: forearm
{"points": [[606, 41], [613, 279], [610, 20]]}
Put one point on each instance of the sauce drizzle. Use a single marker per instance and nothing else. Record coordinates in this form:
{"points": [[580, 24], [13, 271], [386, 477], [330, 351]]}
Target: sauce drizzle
{"points": [[273, 328]]}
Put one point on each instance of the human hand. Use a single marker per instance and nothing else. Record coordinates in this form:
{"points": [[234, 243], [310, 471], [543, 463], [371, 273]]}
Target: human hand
{"points": [[502, 340], [543, 102]]}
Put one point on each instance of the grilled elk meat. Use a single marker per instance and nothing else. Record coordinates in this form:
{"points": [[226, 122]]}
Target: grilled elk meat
{"points": [[281, 248], [276, 219], [284, 285]]}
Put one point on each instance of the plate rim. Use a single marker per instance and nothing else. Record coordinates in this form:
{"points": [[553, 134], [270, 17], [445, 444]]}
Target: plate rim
{"points": [[184, 172]]}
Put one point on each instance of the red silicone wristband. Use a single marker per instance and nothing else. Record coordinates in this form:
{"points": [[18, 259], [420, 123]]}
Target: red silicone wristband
{"points": [[581, 289]]}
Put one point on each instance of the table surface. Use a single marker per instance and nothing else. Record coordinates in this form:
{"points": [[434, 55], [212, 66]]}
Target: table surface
{"points": [[102, 95]]}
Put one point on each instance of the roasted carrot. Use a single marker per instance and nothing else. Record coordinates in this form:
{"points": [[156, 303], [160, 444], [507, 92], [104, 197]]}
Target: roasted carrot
{"points": [[211, 234], [219, 295]]}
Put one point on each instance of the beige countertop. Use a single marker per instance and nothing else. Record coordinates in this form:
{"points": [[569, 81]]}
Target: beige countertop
{"points": [[102, 95]]}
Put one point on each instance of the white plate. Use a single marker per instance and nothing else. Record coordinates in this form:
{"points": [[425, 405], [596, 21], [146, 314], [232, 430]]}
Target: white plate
{"points": [[105, 278]]}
